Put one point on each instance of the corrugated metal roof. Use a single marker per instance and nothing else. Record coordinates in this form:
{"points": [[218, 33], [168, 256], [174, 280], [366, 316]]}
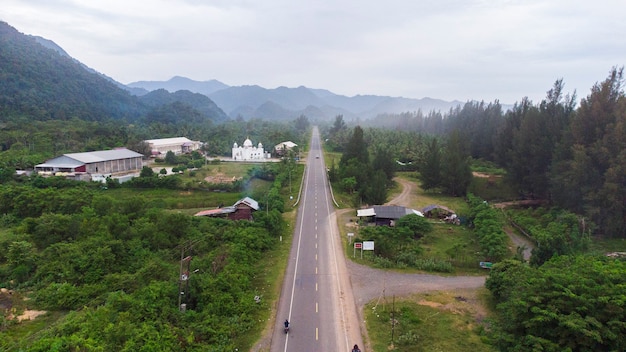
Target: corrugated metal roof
{"points": [[62, 162], [168, 141], [225, 210], [250, 202], [417, 212], [59, 165], [102, 155], [288, 145], [428, 208], [365, 212], [391, 211], [387, 212]]}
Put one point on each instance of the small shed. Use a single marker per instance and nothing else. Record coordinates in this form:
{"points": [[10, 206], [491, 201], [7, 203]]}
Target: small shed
{"points": [[244, 209], [437, 211], [241, 210], [281, 148], [386, 215]]}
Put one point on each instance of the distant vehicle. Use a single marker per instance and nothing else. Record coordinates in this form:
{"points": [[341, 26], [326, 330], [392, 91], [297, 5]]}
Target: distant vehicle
{"points": [[317, 157]]}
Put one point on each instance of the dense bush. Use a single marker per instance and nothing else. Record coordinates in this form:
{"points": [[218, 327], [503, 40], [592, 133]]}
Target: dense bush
{"points": [[570, 303], [489, 227], [113, 263]]}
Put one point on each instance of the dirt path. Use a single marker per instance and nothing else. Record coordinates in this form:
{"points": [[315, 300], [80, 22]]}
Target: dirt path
{"points": [[407, 196], [520, 241]]}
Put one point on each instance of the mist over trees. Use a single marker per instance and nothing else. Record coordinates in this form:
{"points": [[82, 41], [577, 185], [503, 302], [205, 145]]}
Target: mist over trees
{"points": [[573, 157]]}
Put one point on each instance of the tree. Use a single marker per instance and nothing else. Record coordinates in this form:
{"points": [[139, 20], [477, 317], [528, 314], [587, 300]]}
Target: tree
{"points": [[587, 173], [338, 125], [384, 161], [563, 236], [302, 123], [146, 171], [456, 173], [349, 184], [535, 139], [170, 158], [418, 225], [356, 148], [571, 303], [430, 168], [375, 191]]}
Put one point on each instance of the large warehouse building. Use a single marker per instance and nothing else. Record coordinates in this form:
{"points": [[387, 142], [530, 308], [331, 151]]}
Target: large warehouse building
{"points": [[177, 145], [96, 162]]}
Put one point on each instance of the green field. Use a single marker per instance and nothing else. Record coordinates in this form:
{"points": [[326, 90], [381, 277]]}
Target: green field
{"points": [[438, 321]]}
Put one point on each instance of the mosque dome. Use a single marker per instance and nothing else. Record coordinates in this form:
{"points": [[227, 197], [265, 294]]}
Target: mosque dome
{"points": [[260, 146], [235, 145], [247, 143]]}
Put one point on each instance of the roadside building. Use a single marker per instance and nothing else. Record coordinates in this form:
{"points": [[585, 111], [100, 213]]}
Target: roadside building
{"points": [[177, 145], [385, 215], [88, 165], [282, 148], [248, 152], [241, 210]]}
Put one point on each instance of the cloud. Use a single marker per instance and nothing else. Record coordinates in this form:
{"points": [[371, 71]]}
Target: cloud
{"points": [[449, 49]]}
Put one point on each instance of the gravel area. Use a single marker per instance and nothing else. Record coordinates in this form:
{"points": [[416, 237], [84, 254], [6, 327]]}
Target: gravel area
{"points": [[369, 284]]}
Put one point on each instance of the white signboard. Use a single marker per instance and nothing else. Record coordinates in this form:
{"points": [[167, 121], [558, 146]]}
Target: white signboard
{"points": [[368, 245]]}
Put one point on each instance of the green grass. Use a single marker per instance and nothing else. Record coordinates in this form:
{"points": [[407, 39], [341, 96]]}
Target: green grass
{"points": [[176, 199], [606, 245], [492, 189], [441, 321], [425, 198], [456, 244], [487, 167], [27, 330]]}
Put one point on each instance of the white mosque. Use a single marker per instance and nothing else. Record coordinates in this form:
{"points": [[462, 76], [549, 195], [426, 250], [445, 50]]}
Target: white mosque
{"points": [[249, 152]]}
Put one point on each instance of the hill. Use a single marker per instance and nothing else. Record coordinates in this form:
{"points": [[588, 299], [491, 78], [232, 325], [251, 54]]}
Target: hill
{"points": [[46, 84], [206, 108], [42, 82]]}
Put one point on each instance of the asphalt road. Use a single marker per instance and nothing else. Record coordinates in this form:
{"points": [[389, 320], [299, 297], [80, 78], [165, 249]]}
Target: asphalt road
{"points": [[316, 295]]}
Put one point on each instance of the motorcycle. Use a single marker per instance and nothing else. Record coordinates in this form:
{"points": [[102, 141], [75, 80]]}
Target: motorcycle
{"points": [[286, 329]]}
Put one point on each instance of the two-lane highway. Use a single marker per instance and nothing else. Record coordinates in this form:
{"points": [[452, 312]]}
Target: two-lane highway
{"points": [[316, 295]]}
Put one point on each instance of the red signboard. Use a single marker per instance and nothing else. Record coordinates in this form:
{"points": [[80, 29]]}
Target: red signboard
{"points": [[358, 245]]}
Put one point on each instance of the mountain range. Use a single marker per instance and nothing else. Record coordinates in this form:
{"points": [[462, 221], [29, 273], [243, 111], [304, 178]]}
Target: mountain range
{"points": [[283, 103], [40, 80]]}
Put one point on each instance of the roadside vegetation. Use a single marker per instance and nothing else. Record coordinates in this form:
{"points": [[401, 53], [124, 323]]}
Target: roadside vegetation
{"points": [[101, 265], [554, 172], [437, 321]]}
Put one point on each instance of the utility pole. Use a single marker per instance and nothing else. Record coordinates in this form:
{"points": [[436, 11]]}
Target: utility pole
{"points": [[183, 276]]}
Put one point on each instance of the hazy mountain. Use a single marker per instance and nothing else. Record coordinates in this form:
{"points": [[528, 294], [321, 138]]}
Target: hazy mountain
{"points": [[47, 43], [283, 103], [177, 83]]}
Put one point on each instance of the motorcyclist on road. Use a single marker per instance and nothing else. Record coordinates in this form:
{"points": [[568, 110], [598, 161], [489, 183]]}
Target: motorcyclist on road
{"points": [[356, 348], [286, 324]]}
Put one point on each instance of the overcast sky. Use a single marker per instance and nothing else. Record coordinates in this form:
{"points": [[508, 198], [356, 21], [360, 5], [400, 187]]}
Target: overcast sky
{"points": [[446, 49]]}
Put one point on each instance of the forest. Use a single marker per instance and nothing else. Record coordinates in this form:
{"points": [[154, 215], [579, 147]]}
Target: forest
{"points": [[572, 155]]}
